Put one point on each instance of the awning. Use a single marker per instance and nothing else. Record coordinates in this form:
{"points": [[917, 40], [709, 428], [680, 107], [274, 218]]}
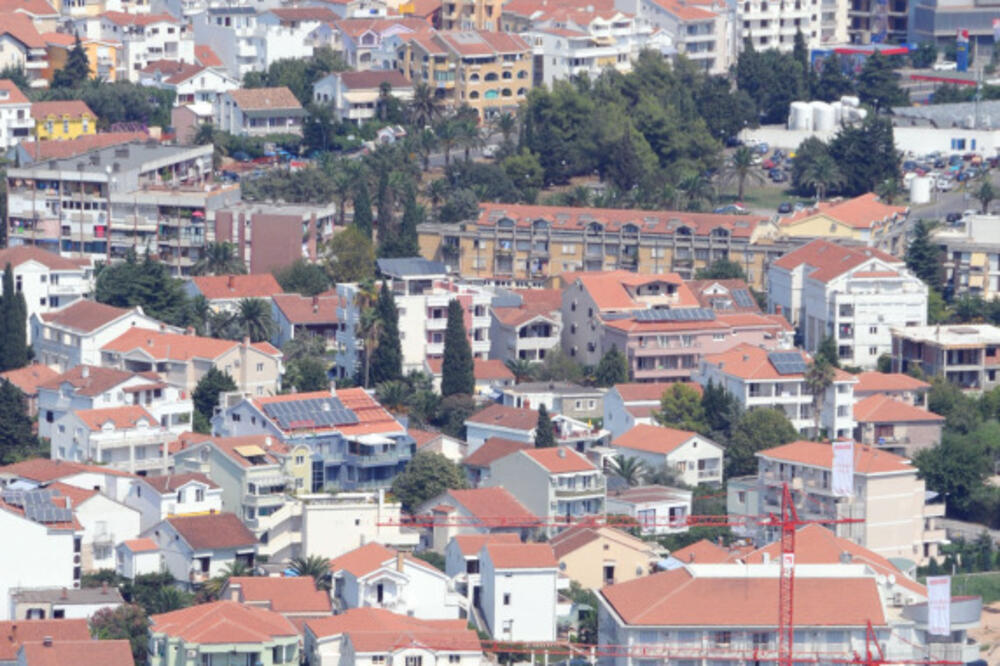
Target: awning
{"points": [[269, 481], [978, 259], [976, 281]]}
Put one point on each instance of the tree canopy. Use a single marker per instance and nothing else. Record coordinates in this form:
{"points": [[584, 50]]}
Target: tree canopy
{"points": [[206, 396], [427, 475], [457, 367], [612, 368], [14, 351], [680, 407], [755, 431], [544, 432]]}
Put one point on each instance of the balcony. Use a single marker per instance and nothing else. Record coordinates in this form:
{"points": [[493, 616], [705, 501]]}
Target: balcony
{"points": [[377, 459], [564, 493], [269, 499]]}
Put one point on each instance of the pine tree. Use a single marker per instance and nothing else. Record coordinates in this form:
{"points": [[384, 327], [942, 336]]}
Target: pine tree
{"points": [[384, 204], [457, 368], [76, 70], [16, 439], [387, 362], [612, 369], [923, 257], [413, 215], [14, 313], [545, 436], [363, 210]]}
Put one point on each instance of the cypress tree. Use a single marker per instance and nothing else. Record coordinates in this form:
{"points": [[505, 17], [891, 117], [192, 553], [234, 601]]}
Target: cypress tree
{"points": [[545, 436], [16, 439], [387, 362], [408, 244], [457, 369], [14, 312], [363, 210]]}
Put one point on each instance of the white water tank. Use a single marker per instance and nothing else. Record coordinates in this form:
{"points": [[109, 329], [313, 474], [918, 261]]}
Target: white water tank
{"points": [[800, 116], [850, 100], [838, 112], [920, 189], [823, 117]]}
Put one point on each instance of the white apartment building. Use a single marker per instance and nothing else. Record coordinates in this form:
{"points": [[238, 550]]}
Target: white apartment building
{"points": [[294, 32], [528, 330], [520, 585], [105, 522], [632, 404], [353, 96], [196, 548], [94, 387], [772, 24], [972, 255], [47, 280], [75, 333], [694, 459], [232, 33], [657, 509], [192, 84], [22, 47], [136, 557], [700, 30], [129, 439], [855, 295], [157, 498], [16, 123], [144, 38], [759, 378]]}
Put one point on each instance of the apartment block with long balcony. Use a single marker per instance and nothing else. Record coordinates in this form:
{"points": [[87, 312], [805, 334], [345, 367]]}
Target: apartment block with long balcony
{"points": [[160, 199], [967, 355], [471, 15], [871, 21], [524, 242], [125, 438], [890, 504], [971, 255], [773, 24]]}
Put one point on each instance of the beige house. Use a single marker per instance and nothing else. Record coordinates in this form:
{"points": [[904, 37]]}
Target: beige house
{"points": [[889, 499], [894, 425], [182, 360], [599, 556]]}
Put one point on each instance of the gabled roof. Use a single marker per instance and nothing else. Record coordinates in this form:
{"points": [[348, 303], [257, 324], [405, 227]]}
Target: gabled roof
{"points": [[15, 256], [648, 391], [264, 99], [169, 483], [221, 622], [84, 315], [294, 594], [79, 653], [14, 633], [492, 449], [724, 295], [611, 290], [867, 460], [219, 287], [559, 460], [829, 260], [10, 94], [703, 552], [74, 108], [470, 545], [244, 450], [881, 408], [29, 7], [30, 377], [490, 505], [653, 438], [577, 536], [298, 309], [881, 382], [43, 470], [121, 418], [204, 54], [747, 361], [521, 555], [22, 28], [370, 557], [861, 212], [373, 80], [381, 631], [321, 14], [372, 417], [127, 18], [214, 531], [491, 369], [162, 346], [515, 418], [143, 545], [89, 380], [517, 316]]}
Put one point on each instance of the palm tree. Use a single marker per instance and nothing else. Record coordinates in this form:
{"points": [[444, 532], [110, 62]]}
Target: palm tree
{"points": [[889, 190], [820, 174], [522, 369], [253, 316], [425, 143], [741, 169], [631, 470], [448, 134], [437, 192], [506, 124], [314, 565], [213, 586], [696, 188], [577, 197], [469, 136], [423, 108], [368, 324], [818, 378], [394, 395], [219, 259]]}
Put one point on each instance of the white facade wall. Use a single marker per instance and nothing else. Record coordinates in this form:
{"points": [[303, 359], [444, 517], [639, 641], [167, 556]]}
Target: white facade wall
{"points": [[41, 558], [131, 564], [685, 459], [45, 289], [62, 348], [332, 529], [154, 507], [529, 613], [664, 512], [415, 591], [16, 123], [234, 38], [106, 523], [179, 558], [143, 448]]}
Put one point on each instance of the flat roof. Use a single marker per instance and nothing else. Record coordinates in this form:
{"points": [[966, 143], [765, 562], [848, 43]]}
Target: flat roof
{"points": [[952, 335], [128, 156]]}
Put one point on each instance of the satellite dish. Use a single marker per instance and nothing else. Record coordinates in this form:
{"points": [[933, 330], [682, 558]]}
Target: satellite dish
{"points": [[881, 579], [892, 579]]}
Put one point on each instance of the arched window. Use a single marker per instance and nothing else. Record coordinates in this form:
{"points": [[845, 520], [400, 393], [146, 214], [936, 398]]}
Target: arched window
{"points": [[507, 75], [491, 76], [506, 92], [474, 94]]}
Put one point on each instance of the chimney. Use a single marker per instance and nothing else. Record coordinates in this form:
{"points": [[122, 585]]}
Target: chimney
{"points": [[189, 330], [47, 641], [163, 327], [315, 304], [399, 561], [691, 558], [85, 372], [561, 452], [13, 633], [234, 592], [845, 557], [246, 340], [230, 282], [65, 594]]}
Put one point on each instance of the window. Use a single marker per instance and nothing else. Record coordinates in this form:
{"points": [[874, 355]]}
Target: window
{"points": [[180, 496], [454, 658], [873, 351], [300, 460], [508, 627], [506, 598], [260, 367], [65, 127], [414, 661], [199, 494], [378, 659]]}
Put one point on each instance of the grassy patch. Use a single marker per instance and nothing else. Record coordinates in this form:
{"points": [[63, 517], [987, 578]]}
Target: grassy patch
{"points": [[766, 196], [986, 585]]}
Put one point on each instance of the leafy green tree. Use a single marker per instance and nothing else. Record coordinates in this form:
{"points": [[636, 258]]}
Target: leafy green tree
{"points": [[316, 566], [754, 431], [214, 586], [820, 174], [924, 55], [526, 172], [387, 364], [545, 436], [680, 407], [721, 269], [818, 378], [985, 194], [878, 84], [726, 111], [629, 469], [349, 256], [866, 155], [77, 67], [924, 256], [168, 598], [447, 132], [117, 102], [721, 409], [461, 205], [362, 205], [884, 363], [13, 324], [219, 259], [426, 476], [451, 413], [302, 277], [889, 190], [832, 83], [741, 169], [146, 283], [958, 467], [827, 351], [457, 367], [612, 368], [558, 366], [17, 440], [206, 394], [772, 79], [307, 374], [126, 622], [253, 317]]}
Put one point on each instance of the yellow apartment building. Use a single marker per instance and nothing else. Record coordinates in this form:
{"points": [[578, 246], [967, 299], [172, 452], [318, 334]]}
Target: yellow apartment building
{"points": [[67, 119], [471, 14], [102, 54], [489, 71]]}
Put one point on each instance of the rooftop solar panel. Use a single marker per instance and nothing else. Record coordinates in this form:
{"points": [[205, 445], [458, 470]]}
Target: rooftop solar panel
{"points": [[679, 314], [313, 412], [787, 363], [743, 298]]}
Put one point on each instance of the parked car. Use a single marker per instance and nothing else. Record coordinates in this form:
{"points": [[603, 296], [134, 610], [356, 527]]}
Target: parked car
{"points": [[945, 66], [909, 165], [944, 184], [784, 208], [732, 209], [768, 164], [763, 148], [490, 150], [779, 176], [951, 218]]}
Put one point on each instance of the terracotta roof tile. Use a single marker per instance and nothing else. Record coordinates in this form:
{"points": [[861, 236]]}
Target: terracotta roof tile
{"points": [[22, 28], [516, 418], [880, 382], [300, 309], [747, 361], [373, 79], [492, 449], [491, 369], [29, 7], [264, 99], [121, 418], [381, 631], [283, 594], [517, 316], [229, 447], [126, 18], [44, 469], [89, 380], [257, 285], [521, 555], [492, 504], [162, 346], [15, 256], [830, 260], [204, 54], [470, 545], [10, 94], [705, 292], [79, 653], [14, 633], [702, 552], [74, 108], [653, 438], [867, 460], [321, 14], [221, 622], [76, 495], [366, 559], [168, 483], [881, 408], [862, 212], [30, 377], [648, 391], [84, 315], [373, 418], [559, 460], [213, 531], [611, 290], [54, 150], [144, 545]]}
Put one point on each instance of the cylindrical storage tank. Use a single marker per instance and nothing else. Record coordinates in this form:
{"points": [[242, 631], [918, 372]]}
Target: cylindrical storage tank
{"points": [[800, 116], [862, 113], [823, 118], [920, 190], [850, 100], [838, 112]]}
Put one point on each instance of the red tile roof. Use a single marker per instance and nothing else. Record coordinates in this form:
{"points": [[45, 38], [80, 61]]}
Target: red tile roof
{"points": [[373, 80], [29, 377], [76, 495], [84, 315], [162, 346], [221, 622], [213, 531], [881, 408], [862, 212], [492, 369], [559, 460], [204, 54], [144, 545], [11, 94], [54, 150], [22, 28], [518, 316], [490, 505], [258, 285], [709, 297], [264, 99], [613, 290], [703, 552], [79, 653], [283, 594], [492, 449], [653, 438], [126, 18], [867, 460], [372, 417], [366, 559], [422, 437], [231, 447], [89, 380], [29, 7], [470, 545], [58, 39], [515, 418], [321, 14], [168, 483], [747, 361], [381, 631], [74, 108], [881, 382], [830, 260], [300, 309], [648, 391], [678, 598], [14, 633], [15, 256], [44, 469], [120, 418], [521, 555]]}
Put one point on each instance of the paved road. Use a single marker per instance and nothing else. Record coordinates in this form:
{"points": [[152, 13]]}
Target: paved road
{"points": [[969, 531]]}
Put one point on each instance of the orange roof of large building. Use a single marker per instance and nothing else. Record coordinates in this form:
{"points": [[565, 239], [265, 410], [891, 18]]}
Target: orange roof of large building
{"points": [[55, 150], [221, 622], [291, 594], [366, 559], [372, 417], [559, 459], [213, 531], [46, 469], [747, 361], [492, 506], [861, 212], [79, 653], [514, 418], [16, 632], [867, 460], [653, 438], [382, 631], [470, 545], [163, 346], [615, 290], [264, 99], [882, 408], [882, 382], [520, 555], [221, 287], [493, 449], [30, 377], [648, 391], [828, 260], [482, 42], [84, 315], [679, 598], [74, 108], [22, 254], [120, 418]]}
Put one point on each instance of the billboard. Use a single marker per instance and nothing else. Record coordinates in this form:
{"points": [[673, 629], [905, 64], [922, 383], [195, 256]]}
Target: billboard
{"points": [[843, 468], [939, 605]]}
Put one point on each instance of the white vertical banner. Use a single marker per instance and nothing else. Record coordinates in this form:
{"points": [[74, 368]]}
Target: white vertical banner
{"points": [[843, 468], [939, 605]]}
